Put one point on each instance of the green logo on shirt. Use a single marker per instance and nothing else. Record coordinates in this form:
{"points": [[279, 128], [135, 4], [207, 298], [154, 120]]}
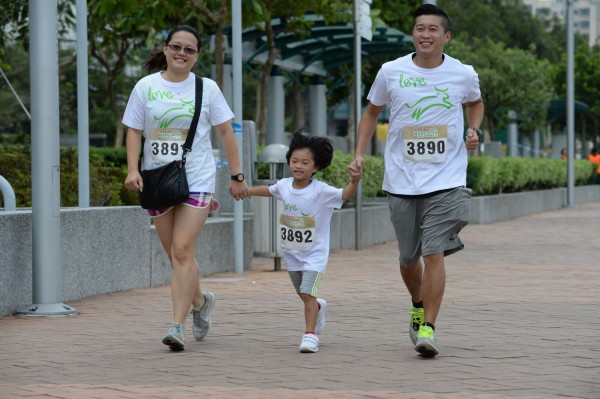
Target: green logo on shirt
{"points": [[289, 207], [439, 99], [185, 110], [414, 82]]}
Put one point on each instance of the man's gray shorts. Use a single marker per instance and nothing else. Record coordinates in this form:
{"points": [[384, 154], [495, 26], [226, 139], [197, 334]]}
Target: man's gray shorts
{"points": [[430, 225]]}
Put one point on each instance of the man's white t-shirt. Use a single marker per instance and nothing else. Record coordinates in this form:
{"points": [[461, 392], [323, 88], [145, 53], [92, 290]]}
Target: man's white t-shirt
{"points": [[425, 149], [305, 222], [164, 110]]}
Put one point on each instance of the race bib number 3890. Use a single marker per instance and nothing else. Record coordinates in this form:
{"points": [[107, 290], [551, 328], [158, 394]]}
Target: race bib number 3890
{"points": [[426, 143], [297, 232]]}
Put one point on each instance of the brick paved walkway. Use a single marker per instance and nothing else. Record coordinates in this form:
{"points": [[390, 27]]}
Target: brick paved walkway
{"points": [[520, 319]]}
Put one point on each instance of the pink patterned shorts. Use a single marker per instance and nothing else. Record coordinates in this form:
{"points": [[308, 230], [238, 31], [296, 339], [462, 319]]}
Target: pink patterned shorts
{"points": [[195, 200]]}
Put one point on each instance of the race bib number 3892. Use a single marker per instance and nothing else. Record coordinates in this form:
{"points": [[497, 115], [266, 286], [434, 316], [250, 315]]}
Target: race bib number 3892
{"points": [[426, 143], [297, 232]]}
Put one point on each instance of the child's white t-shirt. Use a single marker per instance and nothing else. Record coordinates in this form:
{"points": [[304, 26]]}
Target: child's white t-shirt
{"points": [[164, 110], [305, 223], [425, 149]]}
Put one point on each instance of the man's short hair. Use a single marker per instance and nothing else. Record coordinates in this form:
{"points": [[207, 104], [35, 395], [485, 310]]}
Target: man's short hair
{"points": [[430, 9]]}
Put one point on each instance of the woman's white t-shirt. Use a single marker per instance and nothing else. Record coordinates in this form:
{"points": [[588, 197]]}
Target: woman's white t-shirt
{"points": [[164, 110], [305, 222], [425, 149]]}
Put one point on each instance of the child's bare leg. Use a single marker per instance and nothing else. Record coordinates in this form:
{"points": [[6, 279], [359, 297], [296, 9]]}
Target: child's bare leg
{"points": [[311, 310]]}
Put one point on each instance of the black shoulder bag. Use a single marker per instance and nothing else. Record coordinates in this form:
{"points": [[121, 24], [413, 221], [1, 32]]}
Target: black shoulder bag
{"points": [[167, 185]]}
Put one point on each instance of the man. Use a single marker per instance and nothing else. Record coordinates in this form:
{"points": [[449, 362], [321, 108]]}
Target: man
{"points": [[425, 161], [594, 157]]}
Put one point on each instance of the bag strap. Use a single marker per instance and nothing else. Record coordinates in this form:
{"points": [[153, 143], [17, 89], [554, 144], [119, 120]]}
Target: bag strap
{"points": [[187, 146]]}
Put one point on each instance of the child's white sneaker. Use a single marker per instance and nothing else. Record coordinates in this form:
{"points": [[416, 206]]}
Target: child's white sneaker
{"points": [[320, 326], [309, 344]]}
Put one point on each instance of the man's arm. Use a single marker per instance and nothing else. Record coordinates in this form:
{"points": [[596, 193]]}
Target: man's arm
{"points": [[474, 112], [366, 129]]}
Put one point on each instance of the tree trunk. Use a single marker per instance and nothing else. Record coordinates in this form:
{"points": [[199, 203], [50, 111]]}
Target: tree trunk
{"points": [[218, 19], [219, 39], [262, 91], [491, 127], [298, 107], [351, 118], [120, 131]]}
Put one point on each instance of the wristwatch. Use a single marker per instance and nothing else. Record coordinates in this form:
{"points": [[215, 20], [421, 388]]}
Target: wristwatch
{"points": [[238, 177], [479, 133]]}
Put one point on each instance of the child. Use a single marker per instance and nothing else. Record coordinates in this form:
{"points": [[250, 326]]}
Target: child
{"points": [[305, 222]]}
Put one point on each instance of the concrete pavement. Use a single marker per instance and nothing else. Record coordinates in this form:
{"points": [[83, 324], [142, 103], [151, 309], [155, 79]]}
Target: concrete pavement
{"points": [[520, 319]]}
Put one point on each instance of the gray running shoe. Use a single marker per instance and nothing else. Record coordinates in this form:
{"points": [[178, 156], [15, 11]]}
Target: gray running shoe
{"points": [[202, 322], [320, 326], [417, 316], [175, 338], [426, 343], [309, 344]]}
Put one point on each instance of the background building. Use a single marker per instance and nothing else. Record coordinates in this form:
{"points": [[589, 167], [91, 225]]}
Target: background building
{"points": [[586, 15]]}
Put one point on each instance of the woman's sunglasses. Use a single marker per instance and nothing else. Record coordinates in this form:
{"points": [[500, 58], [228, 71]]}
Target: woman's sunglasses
{"points": [[177, 48]]}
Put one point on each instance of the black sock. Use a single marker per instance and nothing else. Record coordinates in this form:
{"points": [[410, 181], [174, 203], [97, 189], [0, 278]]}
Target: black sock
{"points": [[430, 325], [417, 304]]}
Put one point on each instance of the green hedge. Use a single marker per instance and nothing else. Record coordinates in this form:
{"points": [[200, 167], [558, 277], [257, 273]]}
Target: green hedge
{"points": [[108, 169], [337, 174], [487, 176]]}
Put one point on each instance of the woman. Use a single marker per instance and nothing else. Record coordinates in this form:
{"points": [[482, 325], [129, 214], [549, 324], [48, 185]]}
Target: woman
{"points": [[161, 108]]}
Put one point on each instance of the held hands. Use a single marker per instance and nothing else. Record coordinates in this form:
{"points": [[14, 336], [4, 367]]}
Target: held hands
{"points": [[355, 171], [239, 190], [472, 141]]}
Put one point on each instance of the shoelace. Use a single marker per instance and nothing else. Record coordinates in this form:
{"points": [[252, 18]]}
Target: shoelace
{"points": [[416, 317], [426, 332]]}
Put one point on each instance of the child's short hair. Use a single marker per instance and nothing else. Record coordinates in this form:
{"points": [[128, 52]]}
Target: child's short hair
{"points": [[321, 148]]}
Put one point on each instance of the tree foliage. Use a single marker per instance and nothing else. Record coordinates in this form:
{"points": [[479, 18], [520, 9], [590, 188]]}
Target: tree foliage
{"points": [[515, 54], [393, 13], [293, 17], [510, 79], [122, 33], [13, 21], [587, 77], [396, 13], [505, 21], [13, 119], [14, 61]]}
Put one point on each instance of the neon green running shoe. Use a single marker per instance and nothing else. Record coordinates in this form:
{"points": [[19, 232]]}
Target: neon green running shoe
{"points": [[426, 344], [417, 315]]}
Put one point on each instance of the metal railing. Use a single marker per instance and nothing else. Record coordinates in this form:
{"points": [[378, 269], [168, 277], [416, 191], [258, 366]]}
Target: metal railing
{"points": [[8, 194]]}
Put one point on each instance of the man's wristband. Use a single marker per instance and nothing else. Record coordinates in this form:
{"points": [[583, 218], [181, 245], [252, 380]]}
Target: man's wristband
{"points": [[479, 133]]}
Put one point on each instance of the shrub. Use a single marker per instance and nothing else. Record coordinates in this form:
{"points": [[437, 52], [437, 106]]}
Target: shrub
{"points": [[508, 175], [108, 170]]}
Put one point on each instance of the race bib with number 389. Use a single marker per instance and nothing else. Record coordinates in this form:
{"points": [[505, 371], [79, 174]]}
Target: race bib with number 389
{"points": [[297, 232], [425, 143], [166, 144]]}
